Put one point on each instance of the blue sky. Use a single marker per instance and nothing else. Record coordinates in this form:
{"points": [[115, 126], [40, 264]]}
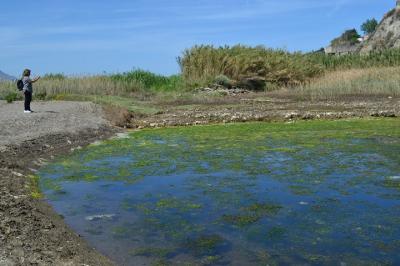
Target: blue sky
{"points": [[93, 36]]}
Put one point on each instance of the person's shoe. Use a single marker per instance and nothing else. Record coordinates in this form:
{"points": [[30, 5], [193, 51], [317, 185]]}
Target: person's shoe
{"points": [[27, 112]]}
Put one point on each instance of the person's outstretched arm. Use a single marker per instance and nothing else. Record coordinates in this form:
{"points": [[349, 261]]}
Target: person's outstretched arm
{"points": [[35, 79]]}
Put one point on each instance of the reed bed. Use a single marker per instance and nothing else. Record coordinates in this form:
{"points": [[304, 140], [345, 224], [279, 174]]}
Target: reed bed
{"points": [[137, 83], [384, 58], [200, 65], [314, 76], [342, 84]]}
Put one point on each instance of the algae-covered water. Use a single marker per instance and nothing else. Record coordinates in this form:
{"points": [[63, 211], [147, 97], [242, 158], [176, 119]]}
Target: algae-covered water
{"points": [[305, 193]]}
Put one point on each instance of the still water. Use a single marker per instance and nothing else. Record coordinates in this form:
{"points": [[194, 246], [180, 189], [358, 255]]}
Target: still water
{"points": [[308, 193]]}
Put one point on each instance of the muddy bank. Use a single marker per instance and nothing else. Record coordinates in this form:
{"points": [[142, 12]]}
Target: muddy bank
{"points": [[31, 233]]}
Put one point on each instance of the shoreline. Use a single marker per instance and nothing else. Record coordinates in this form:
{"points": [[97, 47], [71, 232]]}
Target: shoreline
{"points": [[31, 232]]}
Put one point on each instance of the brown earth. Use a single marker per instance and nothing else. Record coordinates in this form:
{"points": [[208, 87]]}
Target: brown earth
{"points": [[31, 233]]}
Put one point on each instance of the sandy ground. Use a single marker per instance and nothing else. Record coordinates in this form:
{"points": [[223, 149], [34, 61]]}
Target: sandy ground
{"points": [[31, 233]]}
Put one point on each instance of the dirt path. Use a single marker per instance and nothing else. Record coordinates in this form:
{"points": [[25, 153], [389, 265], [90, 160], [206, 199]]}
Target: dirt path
{"points": [[31, 233]]}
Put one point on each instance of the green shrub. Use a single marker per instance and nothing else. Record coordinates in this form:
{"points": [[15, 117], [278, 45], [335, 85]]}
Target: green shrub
{"points": [[348, 37], [223, 81], [40, 96], [149, 80], [10, 97]]}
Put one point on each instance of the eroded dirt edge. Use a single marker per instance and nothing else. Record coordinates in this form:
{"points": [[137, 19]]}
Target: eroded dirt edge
{"points": [[31, 233]]}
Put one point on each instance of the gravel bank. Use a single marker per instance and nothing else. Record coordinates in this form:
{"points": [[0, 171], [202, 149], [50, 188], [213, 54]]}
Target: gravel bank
{"points": [[48, 118]]}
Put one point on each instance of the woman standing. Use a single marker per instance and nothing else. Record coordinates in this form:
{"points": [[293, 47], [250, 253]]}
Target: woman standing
{"points": [[27, 81]]}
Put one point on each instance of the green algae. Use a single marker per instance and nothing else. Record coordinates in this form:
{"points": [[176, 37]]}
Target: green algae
{"points": [[211, 260], [220, 180], [392, 183], [297, 137], [252, 214], [276, 233], [241, 220], [174, 203], [205, 244], [120, 231], [300, 190], [263, 209], [153, 252], [34, 187], [160, 262], [95, 231]]}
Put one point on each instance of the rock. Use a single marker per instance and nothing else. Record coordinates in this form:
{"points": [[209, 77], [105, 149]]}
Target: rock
{"points": [[308, 116], [383, 114], [291, 115], [17, 174], [100, 217], [123, 135], [255, 83], [386, 35], [6, 262]]}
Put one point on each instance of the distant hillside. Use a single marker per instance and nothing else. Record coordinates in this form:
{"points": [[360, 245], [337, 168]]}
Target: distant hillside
{"points": [[386, 35], [4, 76]]}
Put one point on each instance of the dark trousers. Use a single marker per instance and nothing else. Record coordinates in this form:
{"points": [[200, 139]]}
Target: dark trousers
{"points": [[28, 99]]}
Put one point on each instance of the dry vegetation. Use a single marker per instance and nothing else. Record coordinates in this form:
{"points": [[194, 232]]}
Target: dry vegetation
{"points": [[200, 65], [303, 76], [352, 82]]}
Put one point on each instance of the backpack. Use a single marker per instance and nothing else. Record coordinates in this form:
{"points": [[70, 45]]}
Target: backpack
{"points": [[20, 85]]}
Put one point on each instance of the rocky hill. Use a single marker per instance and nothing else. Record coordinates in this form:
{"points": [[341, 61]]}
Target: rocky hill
{"points": [[386, 35], [4, 76]]}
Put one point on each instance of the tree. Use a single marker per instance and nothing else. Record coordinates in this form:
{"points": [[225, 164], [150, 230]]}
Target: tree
{"points": [[348, 37], [369, 26]]}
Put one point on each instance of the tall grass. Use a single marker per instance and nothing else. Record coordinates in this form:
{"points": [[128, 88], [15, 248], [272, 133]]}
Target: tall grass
{"points": [[137, 83], [200, 65], [92, 85], [315, 76], [342, 84], [385, 58]]}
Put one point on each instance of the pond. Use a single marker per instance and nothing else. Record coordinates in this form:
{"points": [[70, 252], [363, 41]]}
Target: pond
{"points": [[309, 193]]}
